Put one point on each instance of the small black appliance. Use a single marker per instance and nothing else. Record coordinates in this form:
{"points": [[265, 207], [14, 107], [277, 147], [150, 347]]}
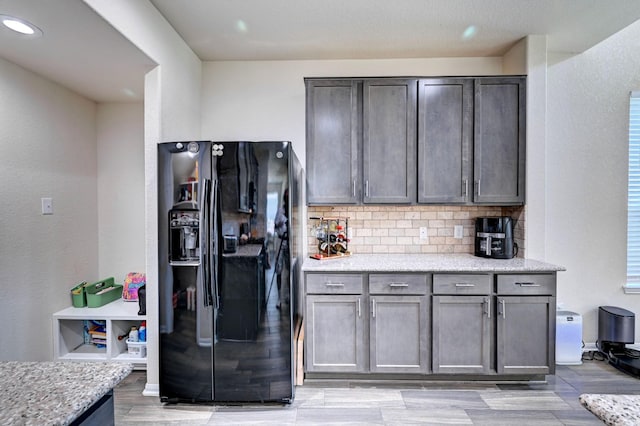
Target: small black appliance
{"points": [[494, 237], [616, 328]]}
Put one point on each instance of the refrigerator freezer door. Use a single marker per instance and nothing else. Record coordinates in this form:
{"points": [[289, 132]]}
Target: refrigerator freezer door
{"points": [[186, 329]]}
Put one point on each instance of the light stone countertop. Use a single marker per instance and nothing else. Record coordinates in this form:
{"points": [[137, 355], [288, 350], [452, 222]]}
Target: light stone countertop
{"points": [[54, 393], [426, 263]]}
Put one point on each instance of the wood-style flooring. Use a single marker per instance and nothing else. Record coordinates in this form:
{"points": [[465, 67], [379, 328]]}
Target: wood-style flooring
{"points": [[552, 403]]}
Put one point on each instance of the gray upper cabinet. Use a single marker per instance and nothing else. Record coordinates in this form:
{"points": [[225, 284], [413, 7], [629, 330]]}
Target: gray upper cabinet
{"points": [[445, 140], [404, 141], [499, 140], [471, 140], [389, 141], [333, 141], [361, 141]]}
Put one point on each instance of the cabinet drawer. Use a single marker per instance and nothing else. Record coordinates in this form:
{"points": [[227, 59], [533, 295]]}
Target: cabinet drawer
{"points": [[461, 284], [334, 283], [527, 284], [398, 284]]}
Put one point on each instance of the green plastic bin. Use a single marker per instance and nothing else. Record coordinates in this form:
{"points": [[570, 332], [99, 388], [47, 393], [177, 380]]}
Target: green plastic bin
{"points": [[79, 296], [102, 292]]}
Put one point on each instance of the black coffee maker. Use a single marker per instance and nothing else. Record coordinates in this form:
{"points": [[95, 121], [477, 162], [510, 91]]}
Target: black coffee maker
{"points": [[494, 237]]}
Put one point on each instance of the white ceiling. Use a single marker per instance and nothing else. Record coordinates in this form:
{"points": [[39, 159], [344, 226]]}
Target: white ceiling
{"points": [[84, 53]]}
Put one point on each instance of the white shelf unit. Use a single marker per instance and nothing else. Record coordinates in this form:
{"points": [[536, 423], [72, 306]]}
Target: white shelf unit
{"points": [[68, 336]]}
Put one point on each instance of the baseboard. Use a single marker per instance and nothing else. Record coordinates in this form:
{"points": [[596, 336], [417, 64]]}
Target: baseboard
{"points": [[151, 390], [588, 347]]}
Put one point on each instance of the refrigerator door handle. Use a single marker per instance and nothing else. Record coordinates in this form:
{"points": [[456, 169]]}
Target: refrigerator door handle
{"points": [[215, 252], [206, 247]]}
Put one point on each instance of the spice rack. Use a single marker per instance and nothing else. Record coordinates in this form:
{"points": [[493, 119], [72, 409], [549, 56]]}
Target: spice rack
{"points": [[332, 234]]}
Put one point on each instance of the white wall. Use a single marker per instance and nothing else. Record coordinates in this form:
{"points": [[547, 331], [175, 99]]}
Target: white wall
{"points": [[587, 142], [536, 197], [120, 174], [171, 112], [47, 138], [265, 100]]}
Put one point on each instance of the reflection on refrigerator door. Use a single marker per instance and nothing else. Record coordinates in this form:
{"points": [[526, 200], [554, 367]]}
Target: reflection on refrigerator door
{"points": [[223, 337]]}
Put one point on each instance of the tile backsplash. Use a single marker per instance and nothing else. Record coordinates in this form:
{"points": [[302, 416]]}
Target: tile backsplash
{"points": [[396, 229]]}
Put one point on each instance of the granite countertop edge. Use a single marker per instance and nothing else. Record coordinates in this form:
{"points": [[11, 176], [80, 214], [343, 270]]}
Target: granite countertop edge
{"points": [[426, 263], [54, 393]]}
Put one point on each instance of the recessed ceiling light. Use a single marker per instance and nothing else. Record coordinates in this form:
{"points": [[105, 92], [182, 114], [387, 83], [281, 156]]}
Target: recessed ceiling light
{"points": [[20, 26], [469, 32]]}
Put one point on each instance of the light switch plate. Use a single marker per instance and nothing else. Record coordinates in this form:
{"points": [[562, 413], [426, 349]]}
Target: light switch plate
{"points": [[458, 232], [47, 205]]}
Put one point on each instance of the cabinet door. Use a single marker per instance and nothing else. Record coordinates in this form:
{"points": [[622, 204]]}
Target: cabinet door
{"points": [[389, 141], [526, 335], [399, 334], [461, 334], [333, 132], [445, 134], [499, 140], [335, 338]]}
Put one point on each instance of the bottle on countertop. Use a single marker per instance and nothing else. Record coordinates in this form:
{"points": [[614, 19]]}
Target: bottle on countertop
{"points": [[142, 332]]}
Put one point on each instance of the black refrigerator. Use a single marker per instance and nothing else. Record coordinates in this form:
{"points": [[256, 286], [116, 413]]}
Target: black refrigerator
{"points": [[229, 230]]}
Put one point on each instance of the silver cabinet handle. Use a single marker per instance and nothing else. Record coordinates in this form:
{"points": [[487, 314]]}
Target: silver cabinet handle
{"points": [[354, 188], [488, 303], [465, 285], [503, 309], [330, 284], [477, 187], [528, 284], [465, 185], [398, 285], [359, 311], [366, 188], [373, 307]]}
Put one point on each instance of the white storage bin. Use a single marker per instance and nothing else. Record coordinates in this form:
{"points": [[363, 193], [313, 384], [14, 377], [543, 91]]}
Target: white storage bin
{"points": [[137, 349], [568, 338]]}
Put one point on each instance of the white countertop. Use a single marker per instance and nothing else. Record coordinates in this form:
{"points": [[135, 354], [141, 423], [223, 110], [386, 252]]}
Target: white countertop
{"points": [[426, 263], [54, 393]]}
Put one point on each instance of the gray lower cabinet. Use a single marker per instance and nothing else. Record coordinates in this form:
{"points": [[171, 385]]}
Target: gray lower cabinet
{"points": [[335, 323], [526, 323], [399, 323], [335, 336], [461, 335], [473, 324], [462, 324], [524, 331]]}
